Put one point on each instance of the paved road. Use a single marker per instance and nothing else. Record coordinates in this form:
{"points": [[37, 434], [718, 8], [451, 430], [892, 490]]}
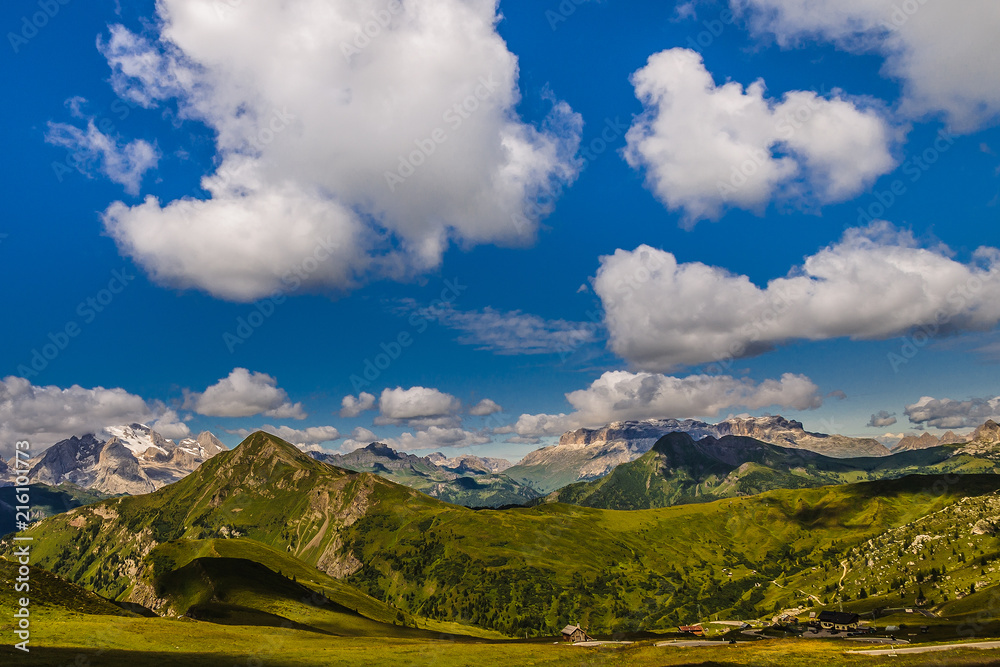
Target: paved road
{"points": [[597, 642], [694, 642], [927, 649]]}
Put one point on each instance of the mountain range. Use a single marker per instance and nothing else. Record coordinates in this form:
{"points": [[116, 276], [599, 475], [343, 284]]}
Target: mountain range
{"points": [[130, 459], [587, 454], [222, 544], [926, 441], [134, 459], [464, 480], [679, 470]]}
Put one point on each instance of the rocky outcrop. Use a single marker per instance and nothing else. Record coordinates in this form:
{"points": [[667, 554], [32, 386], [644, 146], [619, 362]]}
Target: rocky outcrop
{"points": [[636, 433], [777, 430], [117, 471], [912, 442], [984, 441], [987, 434], [70, 460], [204, 447]]}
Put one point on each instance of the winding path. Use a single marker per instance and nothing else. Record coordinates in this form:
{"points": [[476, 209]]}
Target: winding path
{"points": [[927, 649]]}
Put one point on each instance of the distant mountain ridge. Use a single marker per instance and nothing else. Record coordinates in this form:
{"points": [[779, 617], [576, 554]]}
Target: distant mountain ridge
{"points": [[469, 463], [927, 440], [587, 454], [133, 459], [680, 470], [463, 480]]}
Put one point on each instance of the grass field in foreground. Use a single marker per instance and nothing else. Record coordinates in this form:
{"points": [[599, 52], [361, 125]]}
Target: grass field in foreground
{"points": [[74, 639]]}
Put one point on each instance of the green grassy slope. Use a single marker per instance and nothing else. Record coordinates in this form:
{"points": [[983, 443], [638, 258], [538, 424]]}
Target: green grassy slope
{"points": [[535, 570], [678, 470], [946, 561], [223, 579], [520, 571], [49, 594]]}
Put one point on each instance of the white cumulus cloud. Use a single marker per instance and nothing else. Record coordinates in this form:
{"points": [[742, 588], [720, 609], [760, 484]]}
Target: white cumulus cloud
{"points": [[244, 394], [369, 159], [352, 406], [875, 283], [706, 148], [943, 52], [420, 407], [946, 413]]}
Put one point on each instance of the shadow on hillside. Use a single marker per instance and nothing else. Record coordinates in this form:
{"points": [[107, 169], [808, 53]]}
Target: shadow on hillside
{"points": [[50, 657], [843, 510]]}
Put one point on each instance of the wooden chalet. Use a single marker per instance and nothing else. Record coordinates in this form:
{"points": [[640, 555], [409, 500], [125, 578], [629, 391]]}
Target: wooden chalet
{"points": [[574, 633]]}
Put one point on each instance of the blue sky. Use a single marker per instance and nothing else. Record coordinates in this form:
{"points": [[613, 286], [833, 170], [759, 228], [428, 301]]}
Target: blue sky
{"points": [[624, 135]]}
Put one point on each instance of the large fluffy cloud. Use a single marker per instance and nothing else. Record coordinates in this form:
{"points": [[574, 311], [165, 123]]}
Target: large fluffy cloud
{"points": [[948, 413], [944, 52], [620, 395], [421, 407], [43, 415], [341, 157], [876, 282], [244, 394], [706, 148]]}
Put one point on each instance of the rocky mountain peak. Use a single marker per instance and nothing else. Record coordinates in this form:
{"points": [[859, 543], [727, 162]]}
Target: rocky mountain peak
{"points": [[988, 433], [210, 444], [912, 442], [382, 449], [118, 471], [120, 459]]}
